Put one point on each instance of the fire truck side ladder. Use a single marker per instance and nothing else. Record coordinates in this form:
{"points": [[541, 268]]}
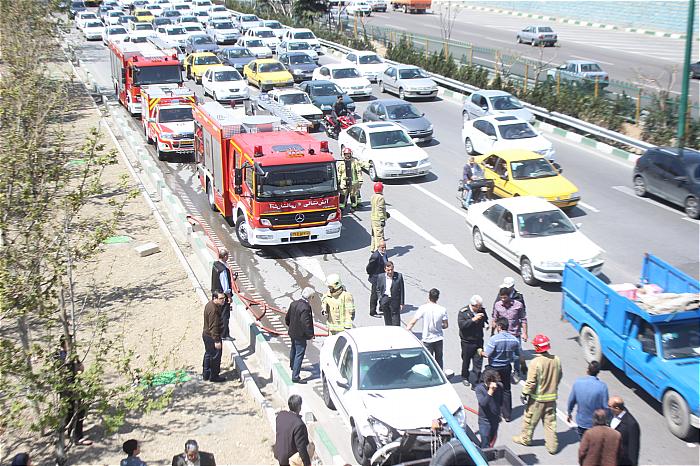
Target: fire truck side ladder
{"points": [[283, 112]]}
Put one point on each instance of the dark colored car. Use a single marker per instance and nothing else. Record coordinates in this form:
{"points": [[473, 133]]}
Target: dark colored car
{"points": [[404, 114], [200, 43], [76, 7], [124, 20], [300, 64], [161, 21], [238, 57], [672, 174], [172, 14], [695, 70], [323, 94]]}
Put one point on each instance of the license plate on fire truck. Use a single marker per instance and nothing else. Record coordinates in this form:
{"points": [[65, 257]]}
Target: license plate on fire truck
{"points": [[301, 234]]}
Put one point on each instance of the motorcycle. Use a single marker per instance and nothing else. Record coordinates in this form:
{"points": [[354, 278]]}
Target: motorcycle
{"points": [[331, 128], [482, 191]]}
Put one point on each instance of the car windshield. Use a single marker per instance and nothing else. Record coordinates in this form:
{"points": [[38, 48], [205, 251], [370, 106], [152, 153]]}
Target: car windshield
{"points": [[206, 60], [271, 67], [505, 102], [116, 14], [291, 181], [201, 40], [143, 27], [153, 7], [531, 169], [218, 8], [182, 7], [294, 99], [88, 16], [370, 60], [517, 131], [157, 75], [193, 28], [680, 341], [93, 24], [77, 4], [550, 223], [402, 112], [273, 25], [225, 25], [188, 19], [176, 31], [248, 18], [345, 73], [397, 369], [389, 139], [265, 34], [172, 115], [300, 59], [304, 35], [325, 89], [201, 13], [590, 68], [229, 75], [137, 39], [116, 31], [413, 73], [254, 43], [298, 46], [238, 53]]}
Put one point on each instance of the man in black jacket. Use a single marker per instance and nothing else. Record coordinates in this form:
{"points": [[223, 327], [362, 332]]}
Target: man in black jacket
{"points": [[292, 446], [628, 427], [471, 321], [300, 322], [391, 294], [221, 280], [375, 266], [192, 455]]}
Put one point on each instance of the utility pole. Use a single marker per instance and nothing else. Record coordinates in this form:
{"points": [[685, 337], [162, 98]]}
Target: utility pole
{"points": [[683, 110]]}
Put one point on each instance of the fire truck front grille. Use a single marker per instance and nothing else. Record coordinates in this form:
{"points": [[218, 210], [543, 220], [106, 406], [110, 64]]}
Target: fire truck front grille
{"points": [[298, 218]]}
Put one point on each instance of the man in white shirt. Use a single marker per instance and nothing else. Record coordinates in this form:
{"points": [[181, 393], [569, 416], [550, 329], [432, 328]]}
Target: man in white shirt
{"points": [[434, 322]]}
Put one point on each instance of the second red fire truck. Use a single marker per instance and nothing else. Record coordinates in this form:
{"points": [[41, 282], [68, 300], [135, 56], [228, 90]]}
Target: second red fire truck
{"points": [[277, 186]]}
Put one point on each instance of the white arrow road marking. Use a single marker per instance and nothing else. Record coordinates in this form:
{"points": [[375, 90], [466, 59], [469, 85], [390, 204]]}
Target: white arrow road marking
{"points": [[310, 264], [588, 206], [447, 249], [454, 209]]}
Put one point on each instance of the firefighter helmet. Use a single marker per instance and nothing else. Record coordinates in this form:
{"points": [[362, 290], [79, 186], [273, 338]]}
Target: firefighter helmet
{"points": [[541, 343], [333, 281], [347, 151], [378, 187]]}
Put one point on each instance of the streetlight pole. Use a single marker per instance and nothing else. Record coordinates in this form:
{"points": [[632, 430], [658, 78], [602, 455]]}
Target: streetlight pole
{"points": [[686, 75]]}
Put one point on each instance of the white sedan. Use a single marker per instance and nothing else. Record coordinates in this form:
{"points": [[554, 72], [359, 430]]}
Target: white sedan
{"points": [[386, 149], [93, 30], [347, 77], [225, 83], [256, 46], [83, 17], [114, 34], [497, 132], [370, 64], [533, 235], [387, 389]]}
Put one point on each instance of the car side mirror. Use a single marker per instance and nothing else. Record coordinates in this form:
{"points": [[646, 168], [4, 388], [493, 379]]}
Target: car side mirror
{"points": [[343, 383], [557, 167], [382, 117], [238, 181], [485, 108], [504, 177], [680, 179], [493, 138], [151, 120]]}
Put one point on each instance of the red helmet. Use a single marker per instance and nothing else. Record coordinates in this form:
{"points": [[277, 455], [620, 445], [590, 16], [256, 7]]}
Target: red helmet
{"points": [[347, 150], [541, 343], [378, 187]]}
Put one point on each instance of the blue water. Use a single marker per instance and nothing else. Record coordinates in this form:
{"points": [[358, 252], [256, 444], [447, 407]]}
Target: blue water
{"points": [[667, 16]]}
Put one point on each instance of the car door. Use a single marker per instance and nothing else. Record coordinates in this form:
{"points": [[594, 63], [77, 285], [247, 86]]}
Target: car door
{"points": [[331, 372], [371, 113], [674, 181], [472, 106], [206, 81], [504, 237], [480, 136], [489, 224], [346, 370], [642, 361], [654, 174], [284, 59], [351, 58], [493, 166], [526, 34], [252, 71], [390, 78]]}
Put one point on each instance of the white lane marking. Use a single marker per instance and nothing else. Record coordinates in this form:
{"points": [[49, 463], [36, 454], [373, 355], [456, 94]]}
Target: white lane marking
{"points": [[590, 59], [454, 209], [448, 250], [630, 192], [692, 220], [310, 264], [588, 206]]}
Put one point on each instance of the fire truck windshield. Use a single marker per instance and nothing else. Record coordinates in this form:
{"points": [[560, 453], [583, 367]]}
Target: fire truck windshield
{"points": [[157, 75], [175, 114], [297, 181]]}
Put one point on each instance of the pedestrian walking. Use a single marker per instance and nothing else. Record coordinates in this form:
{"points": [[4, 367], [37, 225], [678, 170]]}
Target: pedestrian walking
{"points": [[378, 215], [222, 280], [628, 427], [514, 311], [211, 335], [600, 445], [434, 319], [292, 446], [299, 320], [338, 305], [21, 459], [540, 396], [391, 294], [349, 179], [75, 415], [587, 394], [193, 457], [132, 449], [377, 261], [503, 350], [489, 395], [472, 320]]}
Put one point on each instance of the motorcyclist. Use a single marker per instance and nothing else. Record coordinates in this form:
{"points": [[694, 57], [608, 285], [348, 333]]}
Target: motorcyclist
{"points": [[339, 109], [470, 173]]}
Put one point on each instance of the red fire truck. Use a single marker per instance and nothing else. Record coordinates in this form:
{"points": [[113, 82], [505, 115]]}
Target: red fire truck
{"points": [[277, 186], [136, 65], [166, 116]]}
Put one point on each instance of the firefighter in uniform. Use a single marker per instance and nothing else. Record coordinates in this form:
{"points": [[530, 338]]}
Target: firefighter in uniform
{"points": [[338, 305], [350, 177], [540, 395], [378, 216]]}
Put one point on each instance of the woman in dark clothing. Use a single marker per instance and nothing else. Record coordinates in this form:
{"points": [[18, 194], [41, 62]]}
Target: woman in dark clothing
{"points": [[489, 394]]}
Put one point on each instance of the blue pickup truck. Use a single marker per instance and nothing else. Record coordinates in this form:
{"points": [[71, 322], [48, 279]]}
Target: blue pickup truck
{"points": [[660, 351]]}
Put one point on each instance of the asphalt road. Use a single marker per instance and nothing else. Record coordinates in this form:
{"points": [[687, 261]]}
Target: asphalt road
{"points": [[638, 59], [625, 226]]}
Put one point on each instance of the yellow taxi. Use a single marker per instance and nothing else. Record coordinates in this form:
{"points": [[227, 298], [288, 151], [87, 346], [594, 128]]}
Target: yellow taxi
{"points": [[144, 16], [267, 73], [517, 172], [196, 64]]}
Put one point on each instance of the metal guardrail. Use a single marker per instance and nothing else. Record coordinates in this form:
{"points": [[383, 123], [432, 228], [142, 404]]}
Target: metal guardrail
{"points": [[555, 118]]}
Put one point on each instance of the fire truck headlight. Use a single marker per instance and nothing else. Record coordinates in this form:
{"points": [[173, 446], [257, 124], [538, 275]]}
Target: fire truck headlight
{"points": [[332, 216], [265, 222]]}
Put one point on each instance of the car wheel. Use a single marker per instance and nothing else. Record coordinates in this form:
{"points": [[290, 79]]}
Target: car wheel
{"points": [[327, 394], [213, 96], [691, 207], [520, 41], [361, 448], [468, 146], [677, 414], [161, 155], [526, 272], [242, 231], [381, 87], [210, 196], [591, 345], [402, 94], [372, 172], [478, 240], [534, 43], [640, 186]]}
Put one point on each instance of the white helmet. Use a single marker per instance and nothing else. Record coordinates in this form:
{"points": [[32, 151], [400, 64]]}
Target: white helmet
{"points": [[333, 281]]}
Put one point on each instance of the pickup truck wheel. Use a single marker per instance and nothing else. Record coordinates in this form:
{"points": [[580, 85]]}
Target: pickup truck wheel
{"points": [[478, 240], [640, 186], [361, 448], [327, 395], [372, 172], [691, 207], [590, 343], [242, 231], [677, 414], [526, 272], [210, 197]]}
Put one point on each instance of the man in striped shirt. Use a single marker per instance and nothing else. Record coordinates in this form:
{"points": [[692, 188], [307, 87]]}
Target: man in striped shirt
{"points": [[502, 350]]}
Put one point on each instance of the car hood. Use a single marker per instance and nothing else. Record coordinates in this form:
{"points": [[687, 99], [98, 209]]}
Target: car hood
{"points": [[521, 113], [205, 48], [256, 50], [391, 406], [548, 188], [535, 144], [414, 124], [228, 84], [226, 32], [303, 66], [561, 248], [411, 153], [421, 82], [350, 82], [372, 68], [329, 100], [178, 127], [239, 62], [275, 76], [305, 109]]}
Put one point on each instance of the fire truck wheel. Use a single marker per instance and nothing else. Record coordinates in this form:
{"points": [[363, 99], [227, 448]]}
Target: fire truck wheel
{"points": [[210, 196], [242, 231], [161, 155]]}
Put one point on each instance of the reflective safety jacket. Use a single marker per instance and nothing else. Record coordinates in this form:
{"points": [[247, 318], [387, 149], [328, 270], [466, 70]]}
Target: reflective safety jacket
{"points": [[339, 307], [543, 376], [354, 176], [378, 212]]}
